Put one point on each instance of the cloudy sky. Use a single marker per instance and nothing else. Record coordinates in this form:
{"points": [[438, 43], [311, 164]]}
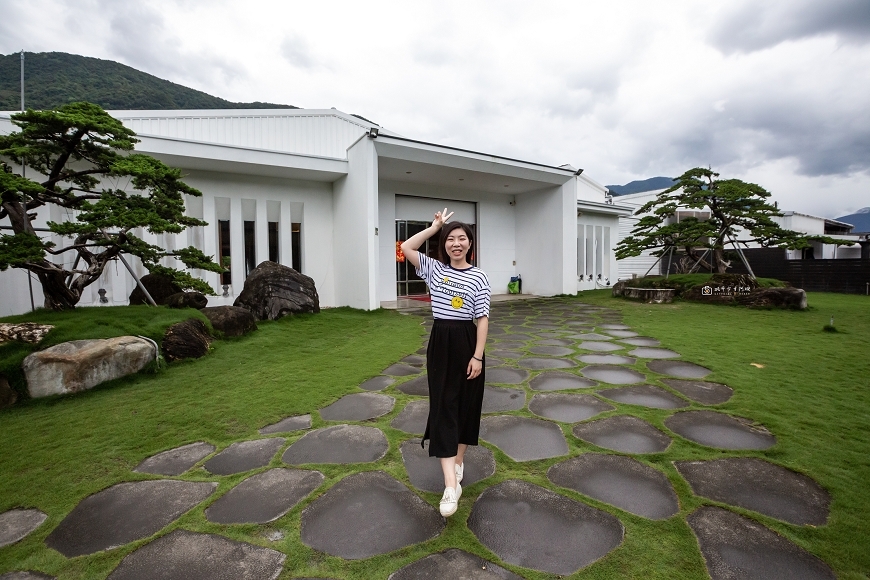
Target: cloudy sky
{"points": [[770, 91]]}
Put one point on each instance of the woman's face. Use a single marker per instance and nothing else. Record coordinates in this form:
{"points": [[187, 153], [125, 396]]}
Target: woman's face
{"points": [[457, 244]]}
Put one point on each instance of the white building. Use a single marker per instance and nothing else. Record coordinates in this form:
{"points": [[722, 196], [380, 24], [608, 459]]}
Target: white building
{"points": [[331, 194]]}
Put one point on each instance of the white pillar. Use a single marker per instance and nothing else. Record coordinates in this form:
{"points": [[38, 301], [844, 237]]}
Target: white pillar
{"points": [[261, 229], [285, 235], [209, 240], [237, 245]]}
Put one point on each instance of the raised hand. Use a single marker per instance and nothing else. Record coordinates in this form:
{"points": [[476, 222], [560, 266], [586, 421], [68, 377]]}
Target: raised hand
{"points": [[441, 218]]}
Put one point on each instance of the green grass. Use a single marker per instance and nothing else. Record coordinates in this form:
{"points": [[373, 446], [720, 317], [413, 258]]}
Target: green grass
{"points": [[683, 282], [813, 393]]}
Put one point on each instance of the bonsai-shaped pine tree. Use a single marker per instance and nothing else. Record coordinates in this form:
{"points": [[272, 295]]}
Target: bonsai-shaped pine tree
{"points": [[75, 157], [738, 211]]}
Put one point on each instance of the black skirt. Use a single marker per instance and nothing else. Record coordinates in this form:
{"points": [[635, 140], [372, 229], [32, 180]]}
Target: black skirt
{"points": [[454, 401]]}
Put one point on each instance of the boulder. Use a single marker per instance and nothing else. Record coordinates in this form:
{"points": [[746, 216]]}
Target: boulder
{"points": [[8, 396], [230, 320], [619, 288], [78, 365], [186, 339], [159, 286], [794, 298], [272, 291], [187, 300], [28, 332]]}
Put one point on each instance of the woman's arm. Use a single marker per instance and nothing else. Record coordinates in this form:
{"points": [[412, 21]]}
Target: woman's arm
{"points": [[409, 246], [475, 366]]}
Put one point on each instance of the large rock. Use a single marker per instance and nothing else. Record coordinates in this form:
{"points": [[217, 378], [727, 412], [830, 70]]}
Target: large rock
{"points": [[272, 291], [743, 290], [187, 300], [186, 339], [160, 287], [230, 320], [619, 289], [75, 366]]}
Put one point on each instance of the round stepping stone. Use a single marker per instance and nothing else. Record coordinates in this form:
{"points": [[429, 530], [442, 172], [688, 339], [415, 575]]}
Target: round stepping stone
{"points": [[491, 361], [510, 344], [338, 444], [599, 346], [425, 472], [192, 556], [414, 360], [358, 407], [413, 418], [621, 333], [551, 350], [512, 354], [264, 497], [555, 342], [702, 392], [606, 359], [645, 396], [522, 438], [17, 524], [530, 526], [419, 387], [641, 341], [612, 375], [737, 547], [506, 376], [760, 486], [421, 350], [551, 334], [623, 433], [124, 513], [590, 336], [26, 575], [678, 368], [559, 381], [580, 322], [366, 514], [515, 336], [567, 408], [378, 383], [720, 430], [497, 399], [619, 481], [401, 370], [453, 563], [546, 363], [244, 456], [287, 425], [646, 352], [542, 326], [614, 327], [176, 461]]}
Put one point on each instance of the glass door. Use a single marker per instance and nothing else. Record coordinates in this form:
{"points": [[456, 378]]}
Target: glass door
{"points": [[408, 283]]}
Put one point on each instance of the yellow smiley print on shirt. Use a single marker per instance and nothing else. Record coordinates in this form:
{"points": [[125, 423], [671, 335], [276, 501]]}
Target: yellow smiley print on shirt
{"points": [[445, 279], [456, 302]]}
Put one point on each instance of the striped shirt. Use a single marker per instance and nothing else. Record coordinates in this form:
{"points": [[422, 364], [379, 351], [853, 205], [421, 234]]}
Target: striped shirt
{"points": [[456, 294]]}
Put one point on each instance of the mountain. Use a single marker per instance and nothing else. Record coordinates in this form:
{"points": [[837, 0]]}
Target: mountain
{"points": [[52, 79], [860, 219], [650, 184]]}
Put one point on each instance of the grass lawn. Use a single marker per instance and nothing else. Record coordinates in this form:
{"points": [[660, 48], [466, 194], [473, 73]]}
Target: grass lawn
{"points": [[813, 393]]}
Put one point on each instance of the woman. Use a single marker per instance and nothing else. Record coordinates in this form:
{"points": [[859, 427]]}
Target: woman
{"points": [[454, 359]]}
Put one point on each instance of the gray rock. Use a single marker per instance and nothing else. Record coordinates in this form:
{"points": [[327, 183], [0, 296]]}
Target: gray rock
{"points": [[645, 396], [559, 381], [378, 383], [678, 368], [186, 339], [230, 320], [366, 514], [264, 497], [29, 332], [273, 291], [244, 456], [453, 563], [79, 365], [737, 547], [506, 375], [187, 300], [401, 370], [720, 430], [17, 524], [286, 425], [567, 407], [530, 526], [159, 287], [646, 352], [522, 438], [612, 374], [498, 399], [425, 472], [703, 392], [413, 418], [338, 444], [26, 575], [539, 363], [598, 346], [418, 387], [623, 433], [183, 555], [176, 461], [124, 513], [358, 407]]}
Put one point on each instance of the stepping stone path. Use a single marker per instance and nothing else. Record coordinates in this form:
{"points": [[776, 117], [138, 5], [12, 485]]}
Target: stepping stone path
{"points": [[720, 430], [264, 497], [364, 514], [244, 456], [338, 444], [620, 481], [623, 433], [340, 521], [760, 486], [531, 526], [17, 524], [358, 407], [425, 472], [124, 513]]}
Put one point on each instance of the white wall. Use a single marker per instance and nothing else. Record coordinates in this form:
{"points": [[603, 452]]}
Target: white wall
{"points": [[597, 236]]}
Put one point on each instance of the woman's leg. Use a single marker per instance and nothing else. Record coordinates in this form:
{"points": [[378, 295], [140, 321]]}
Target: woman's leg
{"points": [[448, 466], [460, 454]]}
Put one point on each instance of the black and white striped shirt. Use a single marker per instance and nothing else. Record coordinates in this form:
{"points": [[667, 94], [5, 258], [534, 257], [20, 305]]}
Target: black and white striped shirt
{"points": [[456, 294]]}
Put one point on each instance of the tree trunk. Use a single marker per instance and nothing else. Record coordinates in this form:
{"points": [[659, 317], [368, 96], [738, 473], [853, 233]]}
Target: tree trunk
{"points": [[54, 288]]}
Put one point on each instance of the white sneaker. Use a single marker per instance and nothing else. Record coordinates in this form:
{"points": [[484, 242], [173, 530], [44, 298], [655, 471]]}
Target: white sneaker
{"points": [[450, 500], [459, 469]]}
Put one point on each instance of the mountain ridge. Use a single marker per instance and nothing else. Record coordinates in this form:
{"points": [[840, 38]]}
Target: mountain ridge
{"points": [[639, 186]]}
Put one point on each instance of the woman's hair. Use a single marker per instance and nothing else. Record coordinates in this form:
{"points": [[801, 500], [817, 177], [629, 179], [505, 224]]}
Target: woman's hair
{"points": [[445, 231]]}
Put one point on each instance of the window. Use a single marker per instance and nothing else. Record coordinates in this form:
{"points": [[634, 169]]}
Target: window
{"points": [[250, 247], [296, 241], [224, 250], [273, 242]]}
